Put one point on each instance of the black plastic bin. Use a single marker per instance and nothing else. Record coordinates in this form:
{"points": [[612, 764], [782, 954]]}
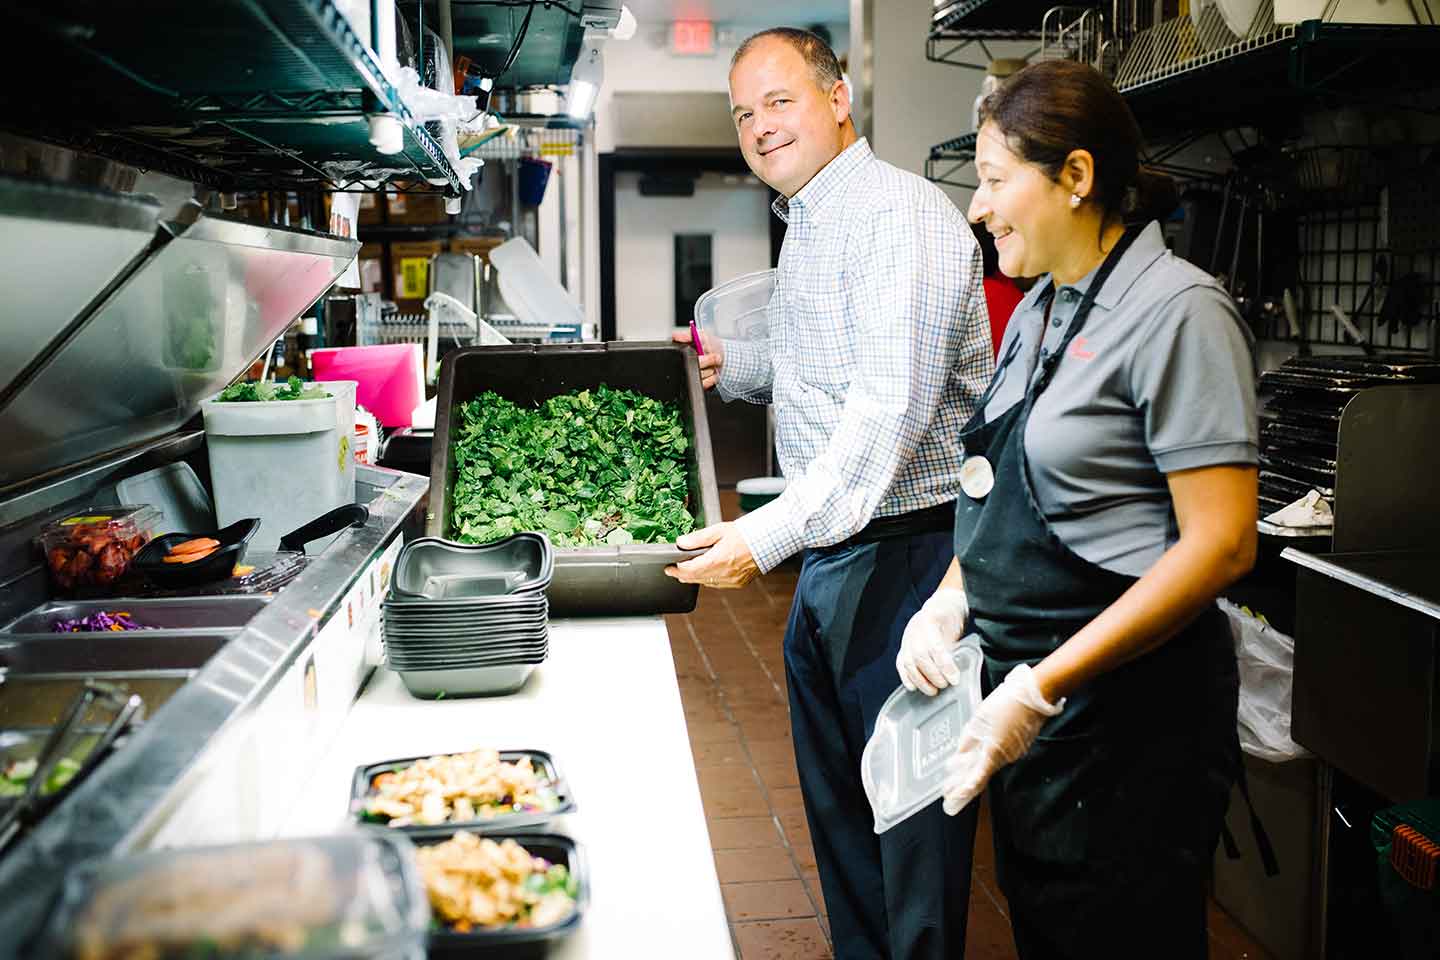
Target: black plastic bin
{"points": [[588, 580]]}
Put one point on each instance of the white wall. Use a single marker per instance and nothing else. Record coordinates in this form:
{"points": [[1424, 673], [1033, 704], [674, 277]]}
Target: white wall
{"points": [[913, 103], [733, 209], [644, 63]]}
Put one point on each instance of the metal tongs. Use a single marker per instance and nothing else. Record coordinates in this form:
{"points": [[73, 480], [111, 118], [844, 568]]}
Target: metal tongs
{"points": [[128, 709]]}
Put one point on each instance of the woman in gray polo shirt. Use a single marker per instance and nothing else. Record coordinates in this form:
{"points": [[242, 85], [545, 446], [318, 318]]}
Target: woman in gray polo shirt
{"points": [[1109, 495]]}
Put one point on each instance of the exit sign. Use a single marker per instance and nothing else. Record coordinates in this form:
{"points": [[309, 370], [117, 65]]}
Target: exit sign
{"points": [[692, 37]]}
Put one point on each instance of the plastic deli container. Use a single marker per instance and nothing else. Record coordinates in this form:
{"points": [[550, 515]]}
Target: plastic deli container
{"points": [[735, 310], [903, 766], [284, 461], [511, 940], [363, 789], [94, 546], [350, 895], [619, 580]]}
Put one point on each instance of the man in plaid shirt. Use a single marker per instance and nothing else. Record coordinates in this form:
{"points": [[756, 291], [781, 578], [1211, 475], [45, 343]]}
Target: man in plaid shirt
{"points": [[878, 349]]}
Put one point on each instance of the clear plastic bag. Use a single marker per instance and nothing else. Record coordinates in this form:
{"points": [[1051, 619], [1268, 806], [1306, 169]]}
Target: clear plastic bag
{"points": [[1266, 658]]}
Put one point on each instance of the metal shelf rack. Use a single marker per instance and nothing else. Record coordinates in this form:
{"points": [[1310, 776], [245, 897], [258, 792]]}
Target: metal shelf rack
{"points": [[948, 159], [234, 95], [957, 25], [1178, 79]]}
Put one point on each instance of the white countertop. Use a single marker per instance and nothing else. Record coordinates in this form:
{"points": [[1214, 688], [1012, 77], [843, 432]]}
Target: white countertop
{"points": [[606, 706]]}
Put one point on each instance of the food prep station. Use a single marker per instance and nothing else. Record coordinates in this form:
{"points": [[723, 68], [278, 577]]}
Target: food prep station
{"points": [[260, 696]]}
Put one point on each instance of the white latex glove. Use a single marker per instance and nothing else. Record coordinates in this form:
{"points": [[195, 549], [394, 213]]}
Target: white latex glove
{"points": [[1000, 733], [926, 661]]}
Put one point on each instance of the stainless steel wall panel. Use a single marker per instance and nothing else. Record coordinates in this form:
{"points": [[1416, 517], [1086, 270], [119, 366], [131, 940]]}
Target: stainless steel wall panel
{"points": [[196, 313], [60, 246]]}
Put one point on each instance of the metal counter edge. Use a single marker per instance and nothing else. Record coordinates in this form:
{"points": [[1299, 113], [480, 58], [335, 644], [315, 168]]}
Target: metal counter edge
{"points": [[128, 798]]}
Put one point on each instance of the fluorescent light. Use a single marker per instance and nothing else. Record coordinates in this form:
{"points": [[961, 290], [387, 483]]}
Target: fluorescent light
{"points": [[585, 79], [581, 102]]}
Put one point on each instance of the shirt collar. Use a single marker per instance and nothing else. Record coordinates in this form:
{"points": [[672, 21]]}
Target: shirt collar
{"points": [[1145, 250], [825, 185]]}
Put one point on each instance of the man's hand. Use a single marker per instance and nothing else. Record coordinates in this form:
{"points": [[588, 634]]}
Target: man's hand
{"points": [[1000, 733], [710, 361], [728, 562]]}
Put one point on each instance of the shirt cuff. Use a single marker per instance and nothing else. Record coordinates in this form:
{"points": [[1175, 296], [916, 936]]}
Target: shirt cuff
{"points": [[743, 370], [1211, 454], [770, 535]]}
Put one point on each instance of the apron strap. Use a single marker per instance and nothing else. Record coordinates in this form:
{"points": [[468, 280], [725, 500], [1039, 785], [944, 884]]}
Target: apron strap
{"points": [[1268, 860], [1086, 302], [1048, 364], [1262, 839], [1232, 849]]}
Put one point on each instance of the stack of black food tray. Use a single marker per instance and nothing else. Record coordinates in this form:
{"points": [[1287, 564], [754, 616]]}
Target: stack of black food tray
{"points": [[1300, 406], [468, 620]]}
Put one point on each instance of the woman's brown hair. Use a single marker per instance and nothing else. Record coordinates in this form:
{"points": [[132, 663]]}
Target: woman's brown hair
{"points": [[1055, 107]]}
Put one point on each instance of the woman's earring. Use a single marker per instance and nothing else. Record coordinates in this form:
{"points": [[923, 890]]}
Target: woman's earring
{"points": [[1075, 199]]}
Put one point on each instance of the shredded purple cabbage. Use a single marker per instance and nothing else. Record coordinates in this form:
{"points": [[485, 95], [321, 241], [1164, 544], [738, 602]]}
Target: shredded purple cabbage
{"points": [[101, 620]]}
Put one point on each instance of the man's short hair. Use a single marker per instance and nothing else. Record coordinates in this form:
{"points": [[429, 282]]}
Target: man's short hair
{"points": [[817, 53]]}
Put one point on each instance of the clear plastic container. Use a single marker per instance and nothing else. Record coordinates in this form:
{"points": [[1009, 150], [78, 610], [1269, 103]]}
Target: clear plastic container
{"points": [[735, 310], [352, 895], [94, 546], [903, 766]]}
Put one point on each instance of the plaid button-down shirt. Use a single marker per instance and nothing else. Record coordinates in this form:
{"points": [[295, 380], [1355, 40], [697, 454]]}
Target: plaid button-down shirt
{"points": [[878, 349]]}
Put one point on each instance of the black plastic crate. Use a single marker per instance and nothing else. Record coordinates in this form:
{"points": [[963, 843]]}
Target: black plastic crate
{"points": [[588, 580]]}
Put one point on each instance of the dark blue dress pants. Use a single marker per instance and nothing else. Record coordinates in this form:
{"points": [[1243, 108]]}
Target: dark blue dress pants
{"points": [[903, 894]]}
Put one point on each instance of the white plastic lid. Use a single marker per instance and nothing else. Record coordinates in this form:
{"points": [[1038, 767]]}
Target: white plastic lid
{"points": [[735, 310], [903, 767]]}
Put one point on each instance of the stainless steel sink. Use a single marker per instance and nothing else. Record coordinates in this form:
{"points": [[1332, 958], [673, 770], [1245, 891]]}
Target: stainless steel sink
{"points": [[93, 654], [40, 700], [40, 674], [177, 613]]}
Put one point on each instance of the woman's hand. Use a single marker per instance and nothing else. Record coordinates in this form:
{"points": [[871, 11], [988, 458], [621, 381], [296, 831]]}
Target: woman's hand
{"points": [[1000, 733], [927, 649], [710, 361]]}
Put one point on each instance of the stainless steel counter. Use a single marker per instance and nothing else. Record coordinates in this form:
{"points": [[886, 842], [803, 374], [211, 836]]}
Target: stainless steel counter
{"points": [[134, 798], [1410, 578], [1367, 666]]}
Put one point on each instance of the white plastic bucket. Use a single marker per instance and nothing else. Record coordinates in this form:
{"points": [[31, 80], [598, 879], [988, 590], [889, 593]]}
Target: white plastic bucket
{"points": [[284, 461]]}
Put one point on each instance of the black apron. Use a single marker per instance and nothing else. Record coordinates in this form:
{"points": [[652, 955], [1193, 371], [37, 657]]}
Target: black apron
{"points": [[1105, 829]]}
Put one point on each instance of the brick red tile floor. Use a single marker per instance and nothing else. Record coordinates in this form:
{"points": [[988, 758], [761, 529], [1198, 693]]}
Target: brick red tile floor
{"points": [[732, 682]]}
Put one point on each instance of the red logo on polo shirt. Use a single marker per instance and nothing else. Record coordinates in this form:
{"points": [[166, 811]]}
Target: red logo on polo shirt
{"points": [[1080, 349]]}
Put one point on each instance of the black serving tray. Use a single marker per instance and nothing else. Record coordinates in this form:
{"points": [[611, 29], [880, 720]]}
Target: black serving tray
{"points": [[218, 565], [540, 759], [514, 942]]}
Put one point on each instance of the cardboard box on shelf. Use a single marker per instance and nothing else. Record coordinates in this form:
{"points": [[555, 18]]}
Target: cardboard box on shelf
{"points": [[369, 208], [477, 246], [419, 209], [410, 261], [372, 269]]}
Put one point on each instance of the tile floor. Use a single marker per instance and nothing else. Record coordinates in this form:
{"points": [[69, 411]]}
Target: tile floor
{"points": [[732, 683]]}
